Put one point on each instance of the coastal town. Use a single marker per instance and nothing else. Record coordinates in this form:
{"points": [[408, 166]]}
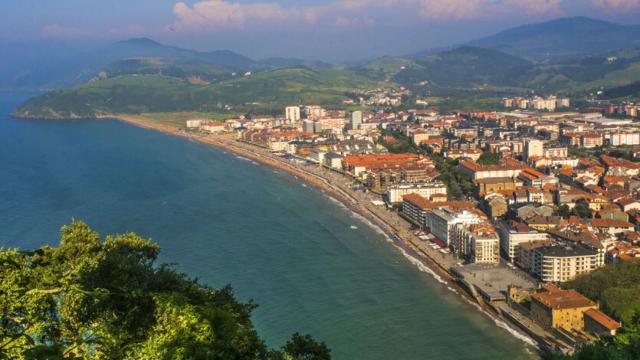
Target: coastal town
{"points": [[511, 206]]}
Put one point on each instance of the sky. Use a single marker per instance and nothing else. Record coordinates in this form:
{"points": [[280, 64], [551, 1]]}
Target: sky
{"points": [[331, 30]]}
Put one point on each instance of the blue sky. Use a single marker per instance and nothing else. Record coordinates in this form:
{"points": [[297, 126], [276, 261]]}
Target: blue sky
{"points": [[332, 29]]}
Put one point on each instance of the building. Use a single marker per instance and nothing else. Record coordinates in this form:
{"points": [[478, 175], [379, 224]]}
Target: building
{"points": [[612, 226], [194, 124], [598, 323], [543, 223], [292, 113], [496, 205], [309, 126], [489, 185], [534, 148], [357, 165], [419, 136], [356, 119], [553, 308], [395, 193], [620, 167], [482, 244], [513, 234], [333, 161], [473, 154], [555, 151], [415, 208], [561, 263], [525, 258], [443, 223], [212, 127], [591, 140], [624, 138], [314, 112], [508, 168]]}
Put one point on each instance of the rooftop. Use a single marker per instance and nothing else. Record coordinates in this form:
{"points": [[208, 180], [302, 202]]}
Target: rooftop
{"points": [[566, 251], [555, 298], [602, 319], [610, 223]]}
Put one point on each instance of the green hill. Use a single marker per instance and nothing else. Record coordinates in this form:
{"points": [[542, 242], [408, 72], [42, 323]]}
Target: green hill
{"points": [[463, 77], [575, 36], [384, 68], [197, 73], [262, 92], [467, 67]]}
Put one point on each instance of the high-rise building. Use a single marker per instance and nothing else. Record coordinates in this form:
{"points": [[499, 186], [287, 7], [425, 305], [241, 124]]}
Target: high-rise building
{"points": [[308, 126], [534, 148], [315, 112], [356, 119], [292, 113]]}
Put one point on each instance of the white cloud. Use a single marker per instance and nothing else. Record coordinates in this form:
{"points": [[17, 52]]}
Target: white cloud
{"points": [[226, 14], [221, 14], [487, 9], [617, 5]]}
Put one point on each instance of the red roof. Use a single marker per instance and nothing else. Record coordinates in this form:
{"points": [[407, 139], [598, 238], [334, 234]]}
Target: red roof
{"points": [[602, 319], [610, 223]]}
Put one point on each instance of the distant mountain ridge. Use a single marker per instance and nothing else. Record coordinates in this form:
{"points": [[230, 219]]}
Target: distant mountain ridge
{"points": [[573, 56], [563, 37], [76, 67]]}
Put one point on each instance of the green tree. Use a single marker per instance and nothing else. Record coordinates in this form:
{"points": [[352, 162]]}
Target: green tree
{"points": [[582, 210], [306, 348], [625, 346], [489, 158], [564, 211], [105, 299]]}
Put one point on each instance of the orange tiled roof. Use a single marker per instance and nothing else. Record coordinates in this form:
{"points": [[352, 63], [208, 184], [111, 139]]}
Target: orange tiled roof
{"points": [[562, 299], [607, 223], [602, 319], [373, 161]]}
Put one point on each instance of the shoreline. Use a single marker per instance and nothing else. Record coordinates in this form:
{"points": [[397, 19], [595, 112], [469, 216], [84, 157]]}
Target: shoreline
{"points": [[402, 240]]}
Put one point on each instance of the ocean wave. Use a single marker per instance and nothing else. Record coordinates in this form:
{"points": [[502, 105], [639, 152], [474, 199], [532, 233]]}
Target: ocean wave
{"points": [[421, 266], [426, 269], [503, 325]]}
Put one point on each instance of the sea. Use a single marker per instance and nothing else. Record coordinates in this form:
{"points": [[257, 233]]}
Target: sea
{"points": [[310, 264]]}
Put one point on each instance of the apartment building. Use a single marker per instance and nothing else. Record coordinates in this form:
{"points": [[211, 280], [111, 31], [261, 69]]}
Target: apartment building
{"points": [[562, 263], [513, 234], [443, 223], [396, 192]]}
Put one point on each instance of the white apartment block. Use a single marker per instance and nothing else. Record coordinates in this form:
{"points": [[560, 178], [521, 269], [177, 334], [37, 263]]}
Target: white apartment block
{"points": [[560, 263], [426, 190], [292, 113], [443, 223]]}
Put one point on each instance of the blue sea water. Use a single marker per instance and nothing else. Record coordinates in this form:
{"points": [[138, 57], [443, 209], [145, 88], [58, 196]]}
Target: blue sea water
{"points": [[227, 220]]}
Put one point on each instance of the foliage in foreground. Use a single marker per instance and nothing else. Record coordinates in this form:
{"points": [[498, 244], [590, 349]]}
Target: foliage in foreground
{"points": [[615, 287], [105, 299], [625, 346]]}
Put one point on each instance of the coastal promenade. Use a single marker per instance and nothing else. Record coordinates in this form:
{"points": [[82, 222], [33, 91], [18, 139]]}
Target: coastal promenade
{"points": [[340, 187]]}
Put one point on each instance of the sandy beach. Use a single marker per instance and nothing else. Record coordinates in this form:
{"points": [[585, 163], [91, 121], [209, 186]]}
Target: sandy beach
{"points": [[339, 187]]}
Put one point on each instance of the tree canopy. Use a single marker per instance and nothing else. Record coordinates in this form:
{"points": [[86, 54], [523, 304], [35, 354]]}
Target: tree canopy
{"points": [[616, 287], [625, 346], [489, 158], [92, 298]]}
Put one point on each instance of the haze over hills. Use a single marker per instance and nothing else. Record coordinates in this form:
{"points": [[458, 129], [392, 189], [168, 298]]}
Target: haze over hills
{"points": [[73, 66], [563, 37], [145, 76]]}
